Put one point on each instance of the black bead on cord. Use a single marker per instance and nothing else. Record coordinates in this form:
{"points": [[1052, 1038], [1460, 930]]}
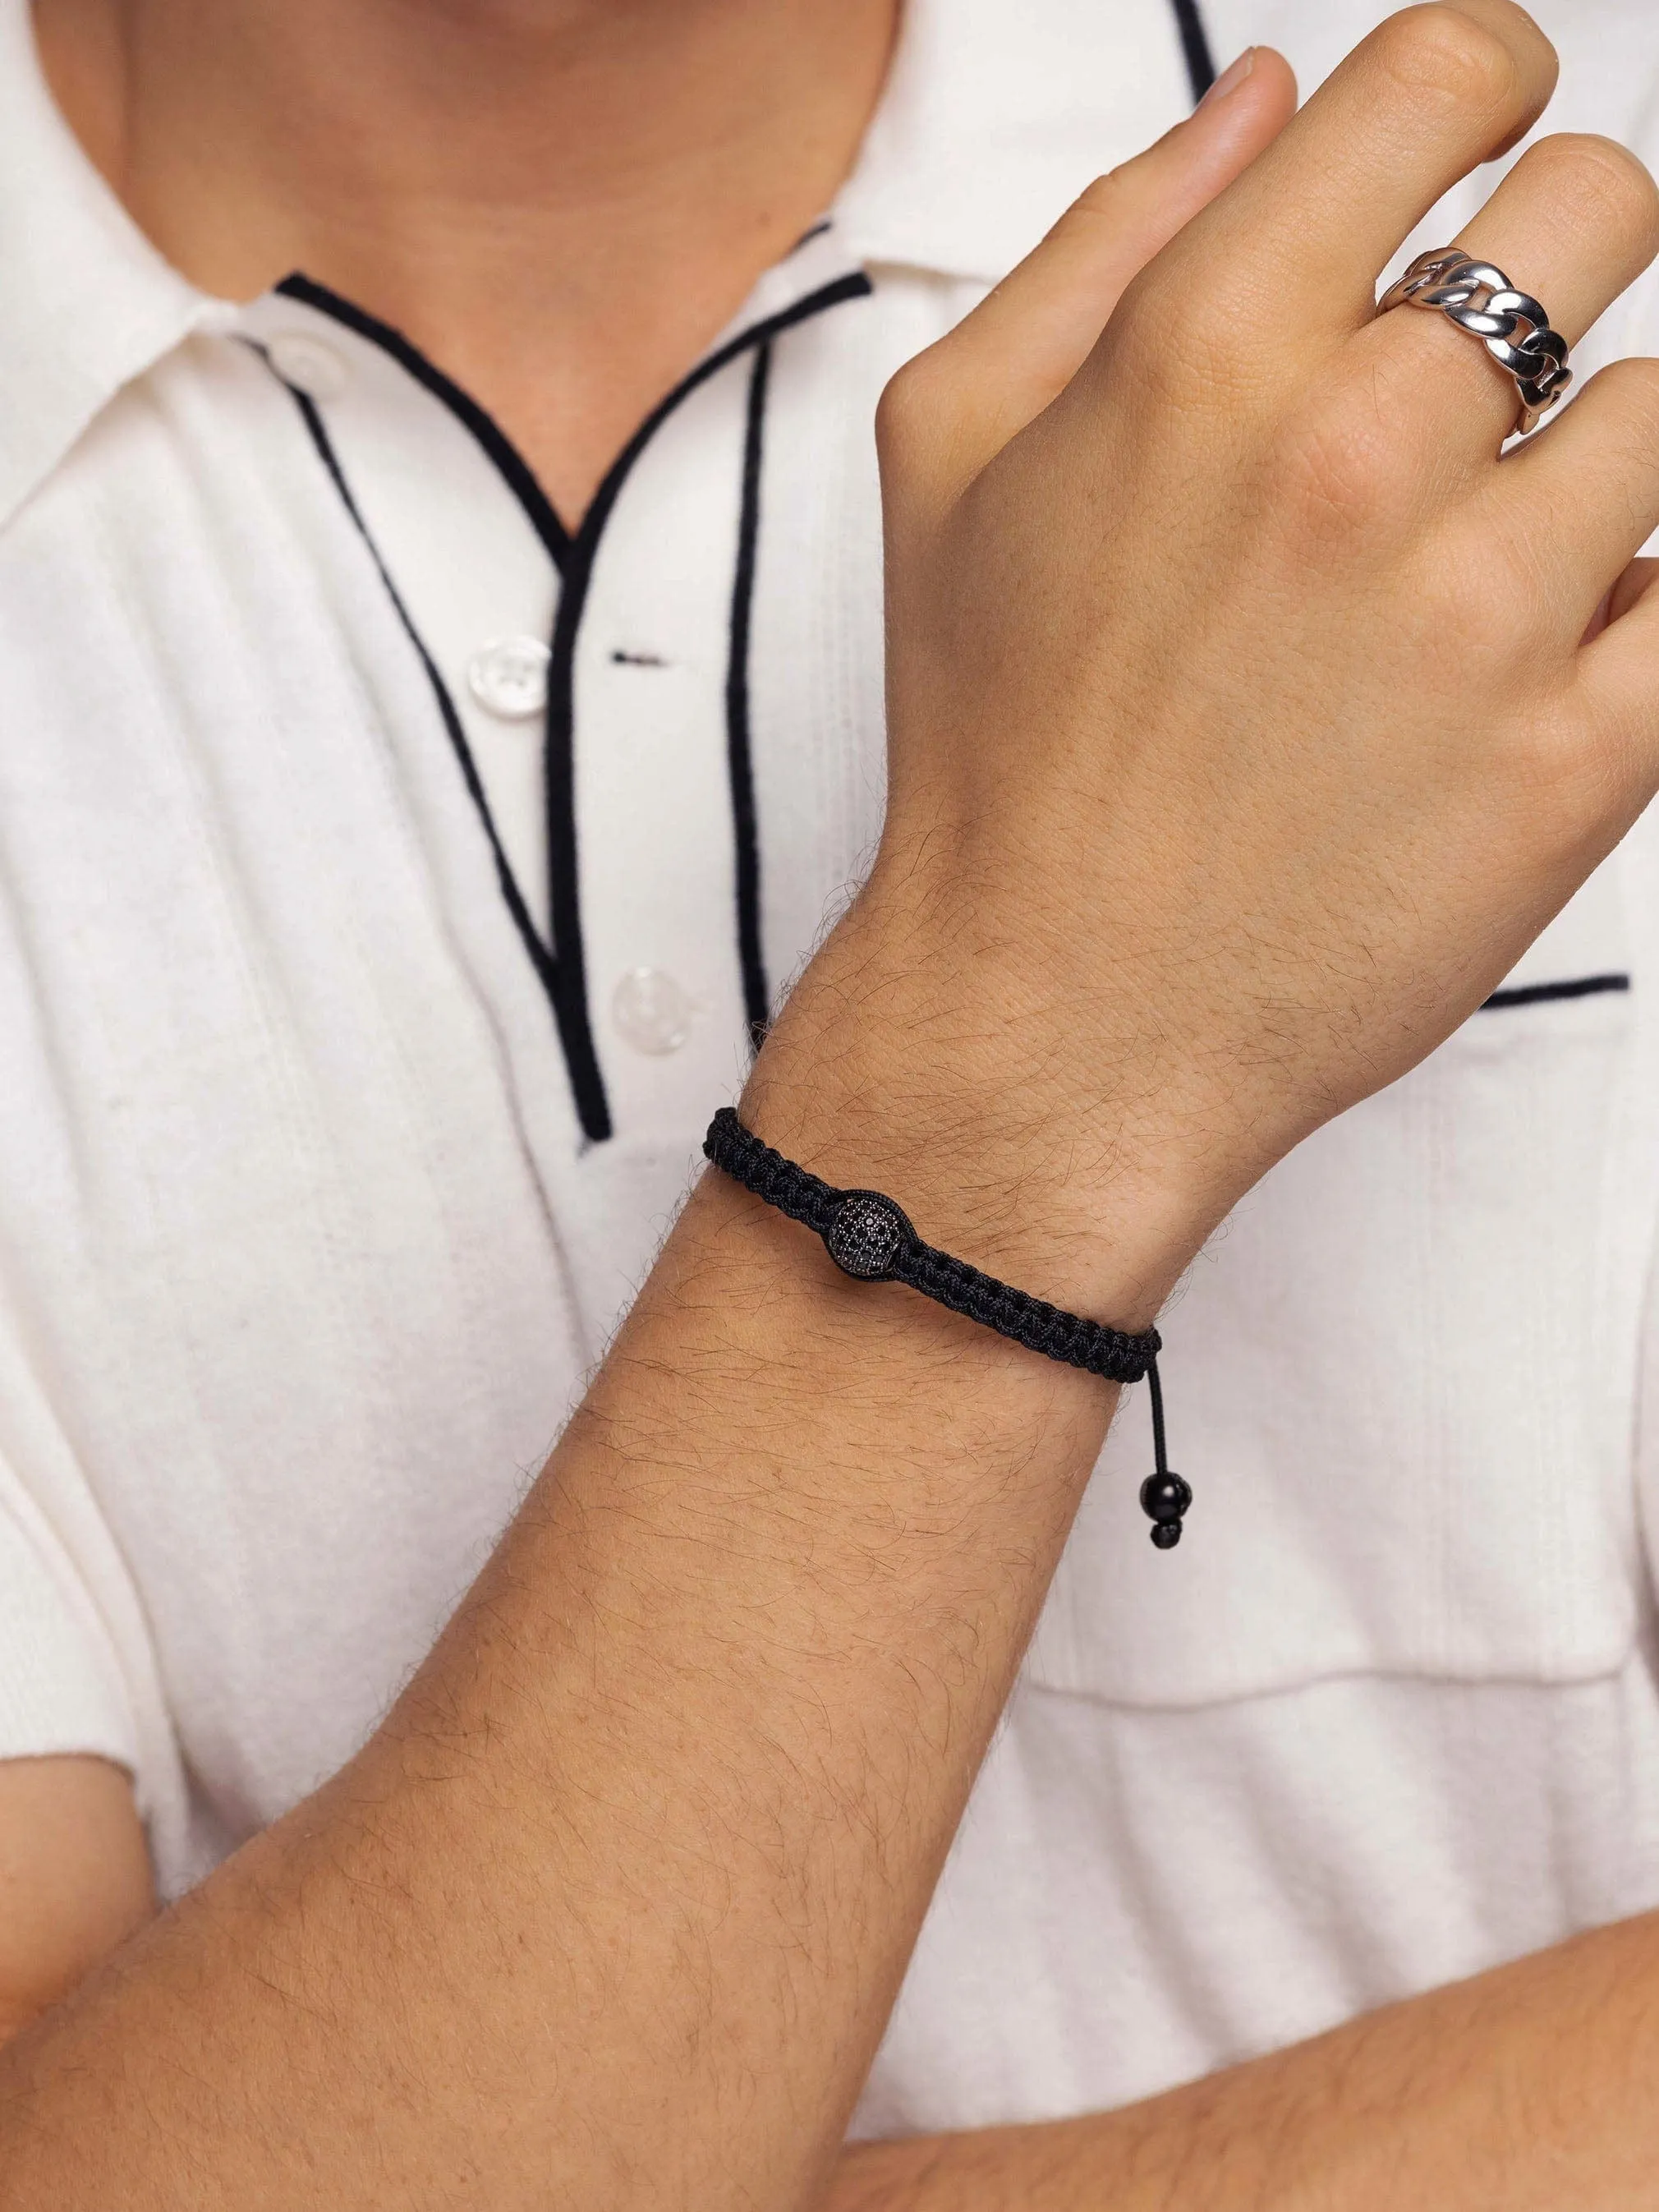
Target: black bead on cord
{"points": [[870, 1238], [1165, 1495]]}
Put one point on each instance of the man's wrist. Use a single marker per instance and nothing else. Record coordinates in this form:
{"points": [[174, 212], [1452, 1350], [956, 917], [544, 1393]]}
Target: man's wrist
{"points": [[903, 1064]]}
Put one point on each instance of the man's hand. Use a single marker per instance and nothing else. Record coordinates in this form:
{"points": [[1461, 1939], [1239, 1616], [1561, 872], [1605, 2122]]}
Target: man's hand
{"points": [[1242, 735], [1243, 730]]}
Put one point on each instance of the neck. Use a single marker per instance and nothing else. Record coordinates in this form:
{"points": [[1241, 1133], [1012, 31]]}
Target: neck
{"points": [[562, 201]]}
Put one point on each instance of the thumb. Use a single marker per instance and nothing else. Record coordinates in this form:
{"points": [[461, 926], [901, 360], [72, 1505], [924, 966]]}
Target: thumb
{"points": [[955, 406]]}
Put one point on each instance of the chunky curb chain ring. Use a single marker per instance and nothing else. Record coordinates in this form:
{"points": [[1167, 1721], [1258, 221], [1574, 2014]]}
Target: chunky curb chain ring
{"points": [[1511, 325]]}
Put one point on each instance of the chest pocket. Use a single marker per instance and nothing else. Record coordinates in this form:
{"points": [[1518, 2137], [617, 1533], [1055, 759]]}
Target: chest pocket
{"points": [[1401, 1382]]}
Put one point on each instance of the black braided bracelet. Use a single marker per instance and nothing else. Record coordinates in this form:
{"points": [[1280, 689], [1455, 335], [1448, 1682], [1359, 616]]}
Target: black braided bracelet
{"points": [[870, 1238]]}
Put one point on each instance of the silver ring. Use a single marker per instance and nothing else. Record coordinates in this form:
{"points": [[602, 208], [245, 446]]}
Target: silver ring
{"points": [[1511, 325]]}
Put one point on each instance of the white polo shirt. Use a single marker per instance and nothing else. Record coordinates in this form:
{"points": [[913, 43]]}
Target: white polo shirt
{"points": [[390, 880]]}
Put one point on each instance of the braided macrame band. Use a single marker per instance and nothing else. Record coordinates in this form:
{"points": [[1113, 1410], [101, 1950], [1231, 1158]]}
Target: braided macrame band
{"points": [[870, 1238]]}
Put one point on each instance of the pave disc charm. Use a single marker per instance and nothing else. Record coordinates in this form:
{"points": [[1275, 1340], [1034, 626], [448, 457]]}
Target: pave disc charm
{"points": [[867, 1235]]}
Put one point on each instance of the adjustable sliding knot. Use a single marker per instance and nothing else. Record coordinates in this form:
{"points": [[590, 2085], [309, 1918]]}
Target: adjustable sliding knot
{"points": [[1165, 1495]]}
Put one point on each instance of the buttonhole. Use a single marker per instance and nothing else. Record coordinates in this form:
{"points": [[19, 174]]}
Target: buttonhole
{"points": [[638, 659]]}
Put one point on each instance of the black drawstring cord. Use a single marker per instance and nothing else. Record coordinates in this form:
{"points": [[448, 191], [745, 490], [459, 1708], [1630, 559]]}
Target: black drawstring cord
{"points": [[1165, 1495]]}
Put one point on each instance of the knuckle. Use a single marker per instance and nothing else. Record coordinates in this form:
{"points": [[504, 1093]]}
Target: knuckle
{"points": [[1102, 210], [1184, 340], [1481, 591], [916, 399], [1332, 481], [1438, 52], [1632, 385], [1596, 183], [1624, 404], [1551, 758], [1186, 375], [1339, 473], [1101, 196]]}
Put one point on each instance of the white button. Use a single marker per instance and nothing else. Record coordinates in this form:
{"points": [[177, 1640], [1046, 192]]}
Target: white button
{"points": [[308, 365], [508, 676], [651, 1011]]}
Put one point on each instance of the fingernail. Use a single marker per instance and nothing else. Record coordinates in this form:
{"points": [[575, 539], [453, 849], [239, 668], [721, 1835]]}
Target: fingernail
{"points": [[1229, 80]]}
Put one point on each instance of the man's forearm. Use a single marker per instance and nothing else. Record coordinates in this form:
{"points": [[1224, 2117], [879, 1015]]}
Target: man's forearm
{"points": [[631, 1873], [1527, 2089], [612, 1909]]}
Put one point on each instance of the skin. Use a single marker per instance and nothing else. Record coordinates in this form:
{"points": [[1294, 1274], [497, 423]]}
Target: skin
{"points": [[1523, 2090], [74, 1877], [561, 201], [612, 1908]]}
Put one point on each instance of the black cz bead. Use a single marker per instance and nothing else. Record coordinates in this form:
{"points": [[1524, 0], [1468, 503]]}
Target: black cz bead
{"points": [[867, 1235], [1163, 1499]]}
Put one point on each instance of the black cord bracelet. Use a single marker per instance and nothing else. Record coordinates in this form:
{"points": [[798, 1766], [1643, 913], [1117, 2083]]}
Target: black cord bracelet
{"points": [[870, 1238]]}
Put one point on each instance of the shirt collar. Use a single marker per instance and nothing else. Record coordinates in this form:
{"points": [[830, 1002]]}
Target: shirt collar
{"points": [[996, 114], [90, 304]]}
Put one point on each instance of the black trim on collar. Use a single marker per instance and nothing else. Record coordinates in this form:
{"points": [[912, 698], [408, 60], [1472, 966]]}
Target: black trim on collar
{"points": [[1195, 47], [740, 768], [564, 895], [521, 477], [529, 935], [559, 966], [1534, 995]]}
